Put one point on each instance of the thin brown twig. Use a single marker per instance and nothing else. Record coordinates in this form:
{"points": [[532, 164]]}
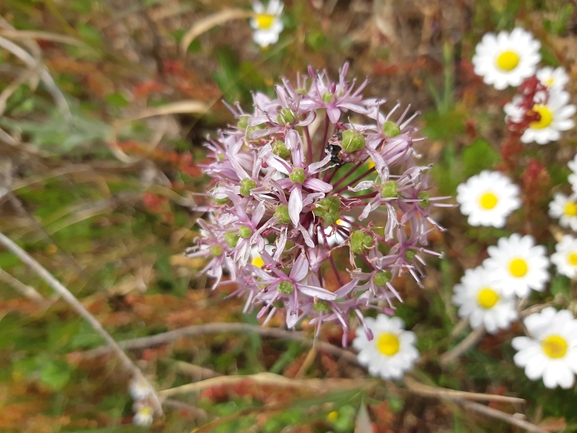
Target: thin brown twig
{"points": [[438, 392], [473, 338], [494, 413], [320, 385], [82, 311], [218, 328]]}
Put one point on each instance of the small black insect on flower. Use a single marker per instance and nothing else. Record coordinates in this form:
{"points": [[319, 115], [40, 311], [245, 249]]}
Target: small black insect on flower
{"points": [[334, 149]]}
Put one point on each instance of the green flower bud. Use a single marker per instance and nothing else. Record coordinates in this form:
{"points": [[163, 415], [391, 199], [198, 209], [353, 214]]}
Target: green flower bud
{"points": [[282, 214], [298, 175], [410, 254], [242, 122], [286, 287], [382, 278], [327, 97], [352, 141], [245, 232], [321, 306], [390, 189], [328, 209], [285, 116], [245, 187], [391, 129], [280, 149], [231, 238], [360, 242], [425, 198], [216, 250], [221, 201]]}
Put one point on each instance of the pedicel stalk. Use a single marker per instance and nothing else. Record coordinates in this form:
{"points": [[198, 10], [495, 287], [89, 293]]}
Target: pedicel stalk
{"points": [[311, 215]]}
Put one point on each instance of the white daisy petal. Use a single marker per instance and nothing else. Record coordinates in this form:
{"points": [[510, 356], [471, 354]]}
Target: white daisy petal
{"points": [[391, 352], [488, 199], [267, 23], [518, 265], [507, 58], [483, 302], [550, 351]]}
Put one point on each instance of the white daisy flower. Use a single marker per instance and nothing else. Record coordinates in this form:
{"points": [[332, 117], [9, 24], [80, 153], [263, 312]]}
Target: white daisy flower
{"points": [[267, 23], [143, 415], [573, 176], [488, 199], [392, 350], [554, 79], [336, 235], [565, 256], [506, 59], [139, 389], [555, 116], [518, 265], [551, 351], [564, 208], [483, 302]]}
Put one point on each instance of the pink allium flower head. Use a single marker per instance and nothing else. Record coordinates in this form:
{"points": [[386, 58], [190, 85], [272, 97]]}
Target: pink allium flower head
{"points": [[295, 172]]}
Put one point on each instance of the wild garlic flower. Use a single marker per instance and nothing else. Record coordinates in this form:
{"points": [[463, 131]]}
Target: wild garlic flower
{"points": [[391, 351], [267, 23], [518, 265], [488, 199], [294, 173], [506, 59], [483, 302], [564, 208], [551, 350], [551, 114], [565, 256]]}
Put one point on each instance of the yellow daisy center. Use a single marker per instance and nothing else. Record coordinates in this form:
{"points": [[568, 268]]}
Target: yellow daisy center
{"points": [[572, 259], [333, 416], [487, 298], [507, 61], [145, 410], [488, 201], [388, 344], [554, 346], [370, 163], [257, 261], [570, 209], [518, 267], [264, 21], [546, 117], [549, 81]]}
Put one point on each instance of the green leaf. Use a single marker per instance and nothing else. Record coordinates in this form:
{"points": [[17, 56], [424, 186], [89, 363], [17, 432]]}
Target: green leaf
{"points": [[56, 374], [480, 155]]}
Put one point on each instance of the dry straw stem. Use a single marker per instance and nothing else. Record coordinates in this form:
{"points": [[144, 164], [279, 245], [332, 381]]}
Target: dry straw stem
{"points": [[209, 22], [462, 398], [473, 338], [318, 385], [180, 107], [438, 392], [223, 328], [46, 36], [79, 308], [27, 291], [494, 413], [44, 75]]}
